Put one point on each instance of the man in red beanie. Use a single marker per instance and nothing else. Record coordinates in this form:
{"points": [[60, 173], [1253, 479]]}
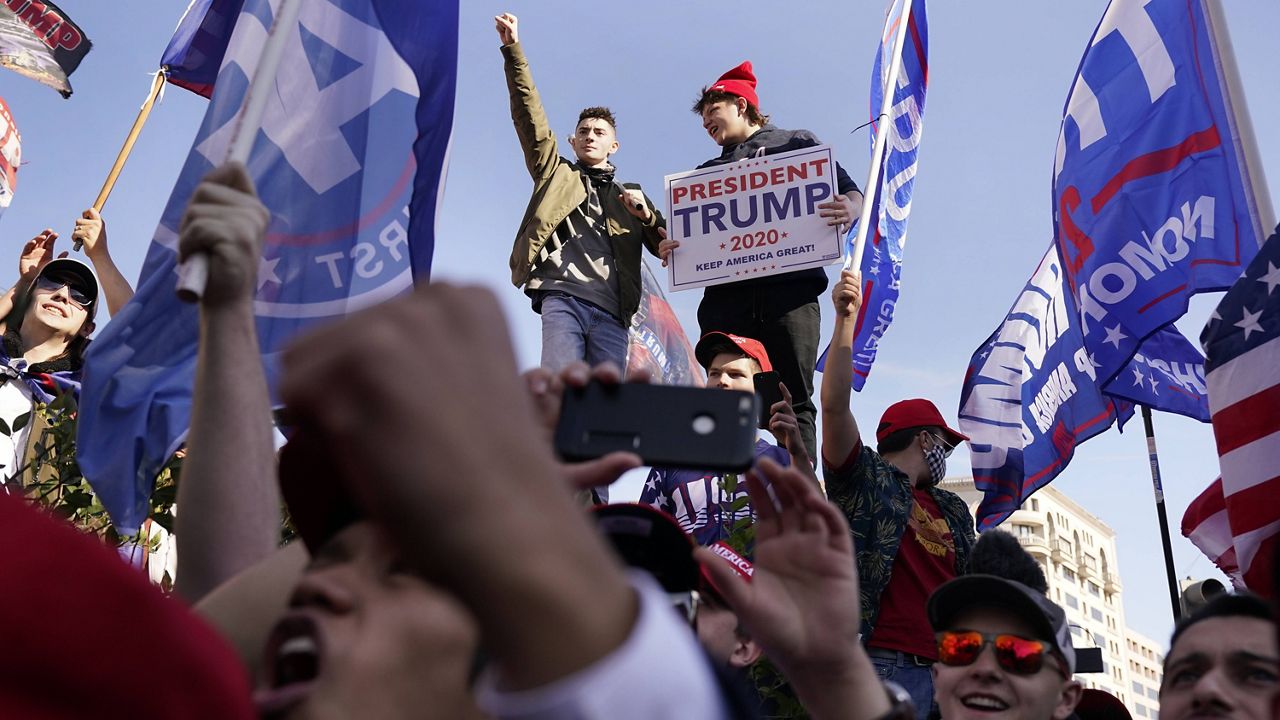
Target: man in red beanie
{"points": [[780, 310], [911, 536]]}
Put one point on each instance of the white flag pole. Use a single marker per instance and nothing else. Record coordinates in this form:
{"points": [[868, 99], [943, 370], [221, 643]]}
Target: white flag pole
{"points": [[1251, 162], [193, 274], [854, 261]]}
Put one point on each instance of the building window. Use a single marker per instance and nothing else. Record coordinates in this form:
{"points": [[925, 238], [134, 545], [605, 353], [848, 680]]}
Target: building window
{"points": [[1098, 640], [1035, 505], [1153, 693], [1137, 687], [1068, 573], [1071, 601], [1140, 709], [1097, 614], [1094, 590]]}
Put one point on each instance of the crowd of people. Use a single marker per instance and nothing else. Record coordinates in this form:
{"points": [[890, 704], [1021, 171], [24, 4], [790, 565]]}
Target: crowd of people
{"points": [[444, 564]]}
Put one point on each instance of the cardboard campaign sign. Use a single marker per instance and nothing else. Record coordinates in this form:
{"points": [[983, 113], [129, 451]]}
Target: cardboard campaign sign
{"points": [[38, 40], [751, 218]]}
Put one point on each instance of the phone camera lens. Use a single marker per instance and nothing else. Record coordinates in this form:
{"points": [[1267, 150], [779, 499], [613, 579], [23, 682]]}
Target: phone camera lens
{"points": [[704, 424]]}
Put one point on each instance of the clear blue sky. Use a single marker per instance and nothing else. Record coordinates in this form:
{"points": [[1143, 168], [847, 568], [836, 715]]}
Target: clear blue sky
{"points": [[980, 218]]}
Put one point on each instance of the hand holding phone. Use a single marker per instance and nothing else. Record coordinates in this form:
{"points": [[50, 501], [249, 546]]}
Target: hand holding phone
{"points": [[769, 393], [666, 425]]}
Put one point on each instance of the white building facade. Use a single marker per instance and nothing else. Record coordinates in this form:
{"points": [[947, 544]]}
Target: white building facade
{"points": [[1077, 552]]}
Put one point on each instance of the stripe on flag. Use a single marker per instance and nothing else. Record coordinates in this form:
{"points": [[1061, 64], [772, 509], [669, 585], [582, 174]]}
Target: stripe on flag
{"points": [[1242, 349]]}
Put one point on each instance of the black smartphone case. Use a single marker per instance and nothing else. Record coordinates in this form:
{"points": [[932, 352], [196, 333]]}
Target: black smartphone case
{"points": [[667, 426]]}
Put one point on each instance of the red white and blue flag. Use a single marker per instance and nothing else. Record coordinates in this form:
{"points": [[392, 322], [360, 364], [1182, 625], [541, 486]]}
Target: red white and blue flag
{"points": [[10, 155], [1242, 350], [1208, 527], [350, 159], [891, 199], [195, 51], [656, 342], [1152, 201]]}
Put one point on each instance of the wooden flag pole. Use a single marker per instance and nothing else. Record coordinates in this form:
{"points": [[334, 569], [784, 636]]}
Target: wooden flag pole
{"points": [[193, 273], [854, 261], [157, 87]]}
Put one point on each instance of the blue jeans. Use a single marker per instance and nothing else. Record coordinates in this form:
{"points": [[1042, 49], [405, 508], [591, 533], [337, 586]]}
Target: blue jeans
{"points": [[576, 330], [915, 679]]}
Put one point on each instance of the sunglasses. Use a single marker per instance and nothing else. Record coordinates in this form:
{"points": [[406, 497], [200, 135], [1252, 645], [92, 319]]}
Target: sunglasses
{"points": [[1018, 655], [947, 448], [79, 297], [686, 605]]}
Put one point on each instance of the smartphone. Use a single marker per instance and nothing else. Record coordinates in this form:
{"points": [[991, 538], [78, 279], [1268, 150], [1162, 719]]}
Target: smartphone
{"points": [[666, 425], [769, 393]]}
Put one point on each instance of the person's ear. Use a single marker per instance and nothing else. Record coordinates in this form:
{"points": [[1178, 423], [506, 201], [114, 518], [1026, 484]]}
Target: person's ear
{"points": [[573, 143], [613, 147], [745, 652], [1072, 691], [741, 104]]}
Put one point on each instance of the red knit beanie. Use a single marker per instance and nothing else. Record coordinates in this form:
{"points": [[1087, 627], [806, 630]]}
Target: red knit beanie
{"points": [[740, 81]]}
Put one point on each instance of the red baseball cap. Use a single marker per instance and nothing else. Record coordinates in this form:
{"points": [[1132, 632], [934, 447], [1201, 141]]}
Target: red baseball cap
{"points": [[714, 343], [740, 81], [916, 412], [77, 618], [740, 564]]}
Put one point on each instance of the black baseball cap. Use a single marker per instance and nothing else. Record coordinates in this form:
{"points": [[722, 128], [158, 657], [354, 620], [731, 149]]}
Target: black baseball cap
{"points": [[1046, 618]]}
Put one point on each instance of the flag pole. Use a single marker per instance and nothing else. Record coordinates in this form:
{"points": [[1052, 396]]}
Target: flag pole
{"points": [[1251, 162], [193, 273], [1160, 513], [854, 261], [157, 87]]}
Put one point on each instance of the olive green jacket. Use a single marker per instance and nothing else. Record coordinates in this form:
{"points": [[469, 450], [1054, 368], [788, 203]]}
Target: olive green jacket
{"points": [[559, 187]]}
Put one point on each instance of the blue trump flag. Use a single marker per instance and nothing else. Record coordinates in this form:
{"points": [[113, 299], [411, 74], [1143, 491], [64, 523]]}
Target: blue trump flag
{"points": [[891, 198], [1032, 392], [1030, 396], [350, 160], [1167, 373], [1151, 197], [195, 52]]}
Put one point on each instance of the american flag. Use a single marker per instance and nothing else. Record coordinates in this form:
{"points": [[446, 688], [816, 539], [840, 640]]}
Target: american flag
{"points": [[1207, 526], [1242, 346]]}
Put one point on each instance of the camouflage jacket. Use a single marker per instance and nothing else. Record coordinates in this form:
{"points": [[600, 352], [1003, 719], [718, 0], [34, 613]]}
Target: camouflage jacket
{"points": [[876, 499]]}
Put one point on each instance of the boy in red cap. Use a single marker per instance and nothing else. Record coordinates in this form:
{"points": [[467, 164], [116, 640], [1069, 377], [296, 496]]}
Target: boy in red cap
{"points": [[780, 310], [696, 498], [911, 536], [577, 254]]}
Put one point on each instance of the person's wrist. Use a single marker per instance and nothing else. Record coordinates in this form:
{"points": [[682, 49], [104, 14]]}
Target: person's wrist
{"points": [[835, 687]]}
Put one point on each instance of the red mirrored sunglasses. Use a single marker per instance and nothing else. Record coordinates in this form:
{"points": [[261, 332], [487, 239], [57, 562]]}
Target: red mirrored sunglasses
{"points": [[1018, 655]]}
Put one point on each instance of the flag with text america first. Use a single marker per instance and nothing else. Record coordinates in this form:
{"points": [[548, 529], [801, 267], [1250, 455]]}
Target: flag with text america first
{"points": [[350, 159]]}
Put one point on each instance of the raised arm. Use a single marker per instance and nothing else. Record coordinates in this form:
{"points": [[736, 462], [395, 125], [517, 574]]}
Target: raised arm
{"points": [[537, 139], [802, 603], [230, 506], [839, 429], [92, 231]]}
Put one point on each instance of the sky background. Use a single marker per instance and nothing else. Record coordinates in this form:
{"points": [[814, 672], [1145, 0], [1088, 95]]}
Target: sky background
{"points": [[999, 74]]}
